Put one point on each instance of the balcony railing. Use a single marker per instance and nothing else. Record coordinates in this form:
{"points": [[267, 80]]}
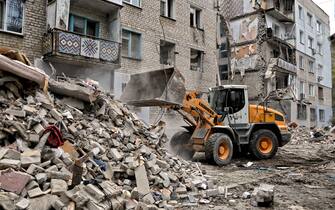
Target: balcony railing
{"points": [[282, 65], [68, 43]]}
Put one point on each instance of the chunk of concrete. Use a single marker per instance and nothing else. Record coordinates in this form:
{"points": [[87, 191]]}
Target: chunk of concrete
{"points": [[115, 154], [9, 163], [41, 178], [56, 115], [142, 181], [13, 181], [16, 113], [263, 195], [29, 157], [35, 192], [95, 192], [35, 138], [58, 186], [22, 204], [39, 129]]}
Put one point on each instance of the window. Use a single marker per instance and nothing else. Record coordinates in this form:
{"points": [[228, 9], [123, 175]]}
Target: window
{"points": [[311, 90], [319, 49], [311, 66], [310, 42], [223, 50], [167, 8], [301, 62], [318, 26], [309, 19], [236, 100], [83, 26], [133, 2], [312, 114], [223, 69], [320, 69], [167, 53], [320, 93], [131, 44], [276, 30], [11, 15], [196, 60], [302, 38], [301, 87], [195, 15], [301, 13], [321, 115], [302, 111]]}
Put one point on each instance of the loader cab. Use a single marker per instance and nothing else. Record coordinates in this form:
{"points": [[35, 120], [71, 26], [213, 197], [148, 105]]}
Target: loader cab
{"points": [[231, 101]]}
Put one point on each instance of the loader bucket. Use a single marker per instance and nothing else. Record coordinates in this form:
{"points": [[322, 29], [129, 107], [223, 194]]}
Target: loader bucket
{"points": [[156, 88]]}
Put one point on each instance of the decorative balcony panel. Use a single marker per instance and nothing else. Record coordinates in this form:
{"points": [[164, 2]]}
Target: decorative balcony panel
{"points": [[68, 43], [282, 65]]}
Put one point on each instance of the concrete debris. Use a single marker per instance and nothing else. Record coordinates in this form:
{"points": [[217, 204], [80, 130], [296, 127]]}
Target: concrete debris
{"points": [[98, 155], [263, 196], [301, 134]]}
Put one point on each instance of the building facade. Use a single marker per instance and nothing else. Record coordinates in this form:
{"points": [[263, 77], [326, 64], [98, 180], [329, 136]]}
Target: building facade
{"points": [[81, 39], [332, 40], [279, 48]]}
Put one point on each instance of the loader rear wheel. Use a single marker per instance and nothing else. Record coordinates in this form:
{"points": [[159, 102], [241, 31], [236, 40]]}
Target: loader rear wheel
{"points": [[181, 145], [263, 144], [219, 149]]}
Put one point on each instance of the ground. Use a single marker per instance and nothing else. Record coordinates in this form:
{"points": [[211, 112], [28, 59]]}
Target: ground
{"points": [[303, 176]]}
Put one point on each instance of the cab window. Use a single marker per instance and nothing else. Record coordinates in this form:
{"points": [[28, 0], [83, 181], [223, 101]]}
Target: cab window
{"points": [[236, 100]]}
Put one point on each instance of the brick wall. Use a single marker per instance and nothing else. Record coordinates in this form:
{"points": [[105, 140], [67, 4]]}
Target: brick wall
{"points": [[33, 29], [147, 21]]}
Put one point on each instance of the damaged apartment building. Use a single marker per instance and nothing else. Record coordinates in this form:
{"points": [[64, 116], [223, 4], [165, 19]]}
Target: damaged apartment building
{"points": [[78, 38], [259, 47]]}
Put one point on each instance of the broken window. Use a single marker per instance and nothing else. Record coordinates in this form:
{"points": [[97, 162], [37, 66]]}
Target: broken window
{"points": [[196, 60], [276, 53], [11, 15], [320, 93], [195, 20], [322, 115], [167, 53], [302, 89], [223, 50], [301, 13], [223, 69], [288, 4], [133, 2], [311, 90], [302, 38], [131, 44], [310, 42], [311, 66], [302, 111], [167, 8], [82, 25], [318, 26], [282, 80], [312, 114], [309, 19], [301, 62]]}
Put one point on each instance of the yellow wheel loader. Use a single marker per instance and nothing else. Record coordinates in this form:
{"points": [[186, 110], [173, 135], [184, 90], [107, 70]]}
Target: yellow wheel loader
{"points": [[223, 124]]}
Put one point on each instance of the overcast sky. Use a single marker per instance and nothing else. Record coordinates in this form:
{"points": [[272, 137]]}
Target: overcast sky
{"points": [[329, 7]]}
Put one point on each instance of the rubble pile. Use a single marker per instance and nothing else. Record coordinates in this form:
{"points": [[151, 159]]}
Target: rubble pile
{"points": [[301, 134], [60, 152]]}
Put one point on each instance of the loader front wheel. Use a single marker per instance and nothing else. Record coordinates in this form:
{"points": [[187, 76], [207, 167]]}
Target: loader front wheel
{"points": [[219, 149], [180, 144], [263, 144]]}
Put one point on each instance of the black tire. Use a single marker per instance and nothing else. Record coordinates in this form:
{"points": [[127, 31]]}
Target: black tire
{"points": [[181, 145], [212, 149], [262, 152]]}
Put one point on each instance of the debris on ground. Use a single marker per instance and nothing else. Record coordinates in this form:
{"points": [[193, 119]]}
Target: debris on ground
{"points": [[78, 148], [301, 134]]}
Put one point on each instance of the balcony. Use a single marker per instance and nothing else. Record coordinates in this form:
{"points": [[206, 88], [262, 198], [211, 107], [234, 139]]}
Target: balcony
{"points": [[284, 17], [281, 65], [76, 47]]}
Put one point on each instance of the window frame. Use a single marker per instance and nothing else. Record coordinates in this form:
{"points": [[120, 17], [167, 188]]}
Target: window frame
{"points": [[322, 115], [201, 53], [171, 53], [301, 62], [167, 8], [319, 48], [197, 17], [132, 4], [129, 54], [311, 90], [71, 25], [318, 27], [310, 42], [310, 19], [300, 12], [301, 114], [302, 37], [4, 27], [311, 66]]}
